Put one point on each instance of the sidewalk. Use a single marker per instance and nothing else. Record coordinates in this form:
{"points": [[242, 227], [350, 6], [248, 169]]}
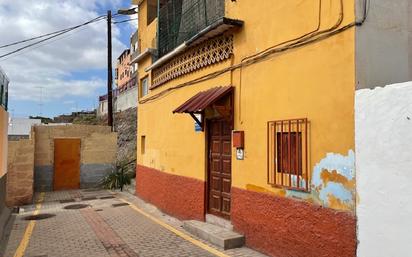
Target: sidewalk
{"points": [[113, 224]]}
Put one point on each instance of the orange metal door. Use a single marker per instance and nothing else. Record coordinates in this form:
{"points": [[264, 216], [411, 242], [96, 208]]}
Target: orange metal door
{"points": [[66, 163]]}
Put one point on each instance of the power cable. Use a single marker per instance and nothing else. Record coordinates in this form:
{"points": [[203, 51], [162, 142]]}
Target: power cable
{"points": [[321, 35], [117, 22], [49, 34], [46, 43], [53, 36]]}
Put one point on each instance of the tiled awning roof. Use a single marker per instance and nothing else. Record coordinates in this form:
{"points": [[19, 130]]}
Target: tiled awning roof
{"points": [[203, 99]]}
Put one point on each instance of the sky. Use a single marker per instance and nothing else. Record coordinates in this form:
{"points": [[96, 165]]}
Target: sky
{"points": [[63, 75]]}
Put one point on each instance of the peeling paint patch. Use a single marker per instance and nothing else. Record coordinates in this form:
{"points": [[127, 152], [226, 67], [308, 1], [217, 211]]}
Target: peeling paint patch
{"points": [[334, 176], [335, 203], [278, 192], [333, 181]]}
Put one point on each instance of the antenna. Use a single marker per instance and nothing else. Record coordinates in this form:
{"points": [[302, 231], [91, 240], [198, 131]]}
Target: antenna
{"points": [[40, 104]]}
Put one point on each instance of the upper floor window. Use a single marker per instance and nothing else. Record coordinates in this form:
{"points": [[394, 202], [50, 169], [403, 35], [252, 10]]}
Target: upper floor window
{"points": [[151, 11], [288, 154], [144, 86]]}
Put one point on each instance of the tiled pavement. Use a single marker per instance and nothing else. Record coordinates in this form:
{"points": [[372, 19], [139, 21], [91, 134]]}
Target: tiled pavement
{"points": [[102, 229]]}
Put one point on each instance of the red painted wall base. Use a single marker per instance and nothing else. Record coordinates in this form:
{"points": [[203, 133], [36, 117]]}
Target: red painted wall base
{"points": [[178, 196], [276, 226], [285, 227]]}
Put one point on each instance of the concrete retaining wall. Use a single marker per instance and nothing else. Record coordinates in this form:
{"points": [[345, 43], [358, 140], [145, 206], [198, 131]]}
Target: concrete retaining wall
{"points": [[97, 156]]}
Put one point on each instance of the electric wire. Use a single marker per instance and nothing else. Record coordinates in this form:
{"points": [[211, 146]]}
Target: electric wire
{"points": [[49, 34], [52, 36], [117, 22], [306, 40], [46, 43]]}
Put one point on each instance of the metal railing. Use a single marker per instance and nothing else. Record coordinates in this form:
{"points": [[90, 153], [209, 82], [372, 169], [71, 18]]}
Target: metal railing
{"points": [[288, 154], [179, 20]]}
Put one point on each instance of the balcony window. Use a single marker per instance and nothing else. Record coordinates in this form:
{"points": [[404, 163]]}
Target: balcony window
{"points": [[179, 20], [144, 86], [151, 11], [288, 154]]}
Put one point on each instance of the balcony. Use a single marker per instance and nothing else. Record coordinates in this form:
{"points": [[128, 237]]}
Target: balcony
{"points": [[183, 21]]}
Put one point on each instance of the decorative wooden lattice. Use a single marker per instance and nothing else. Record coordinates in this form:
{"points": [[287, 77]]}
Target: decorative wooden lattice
{"points": [[207, 53]]}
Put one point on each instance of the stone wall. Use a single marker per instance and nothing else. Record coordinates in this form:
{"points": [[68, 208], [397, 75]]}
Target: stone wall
{"points": [[97, 156], [126, 126], [20, 172]]}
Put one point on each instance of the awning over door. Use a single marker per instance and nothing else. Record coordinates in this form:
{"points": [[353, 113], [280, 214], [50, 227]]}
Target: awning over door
{"points": [[203, 99], [199, 102]]}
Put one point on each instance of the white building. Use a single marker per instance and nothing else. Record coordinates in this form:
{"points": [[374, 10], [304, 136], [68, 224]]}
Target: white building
{"points": [[20, 128]]}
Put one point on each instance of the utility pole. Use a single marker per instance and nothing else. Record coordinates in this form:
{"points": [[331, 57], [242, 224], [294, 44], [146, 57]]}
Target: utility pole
{"points": [[109, 71]]}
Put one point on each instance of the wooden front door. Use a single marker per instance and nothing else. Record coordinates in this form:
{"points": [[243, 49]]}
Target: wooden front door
{"points": [[66, 163], [220, 168]]}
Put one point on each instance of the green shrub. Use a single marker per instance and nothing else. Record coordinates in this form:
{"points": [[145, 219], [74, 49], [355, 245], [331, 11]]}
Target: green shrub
{"points": [[118, 178]]}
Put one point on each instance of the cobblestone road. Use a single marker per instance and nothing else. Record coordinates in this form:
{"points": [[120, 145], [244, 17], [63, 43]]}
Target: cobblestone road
{"points": [[112, 224]]}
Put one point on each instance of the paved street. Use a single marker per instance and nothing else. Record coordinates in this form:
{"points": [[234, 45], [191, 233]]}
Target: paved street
{"points": [[112, 224]]}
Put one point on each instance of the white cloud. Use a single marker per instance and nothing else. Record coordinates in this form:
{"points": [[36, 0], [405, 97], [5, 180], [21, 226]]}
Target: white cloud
{"points": [[49, 68]]}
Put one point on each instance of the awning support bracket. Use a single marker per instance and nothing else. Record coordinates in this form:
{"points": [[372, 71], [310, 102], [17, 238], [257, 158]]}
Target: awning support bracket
{"points": [[200, 123]]}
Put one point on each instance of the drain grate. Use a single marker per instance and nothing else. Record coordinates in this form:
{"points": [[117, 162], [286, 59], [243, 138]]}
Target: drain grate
{"points": [[119, 204], [67, 201], [107, 197], [76, 206], [89, 198], [42, 216]]}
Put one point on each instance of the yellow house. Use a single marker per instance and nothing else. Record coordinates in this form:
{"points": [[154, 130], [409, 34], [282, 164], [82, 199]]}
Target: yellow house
{"points": [[246, 112], [4, 122]]}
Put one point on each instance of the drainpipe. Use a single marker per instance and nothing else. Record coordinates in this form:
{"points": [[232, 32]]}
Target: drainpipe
{"points": [[158, 29]]}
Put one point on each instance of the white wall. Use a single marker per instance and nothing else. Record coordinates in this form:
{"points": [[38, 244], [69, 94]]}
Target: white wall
{"points": [[126, 100], [102, 109], [22, 126], [384, 170]]}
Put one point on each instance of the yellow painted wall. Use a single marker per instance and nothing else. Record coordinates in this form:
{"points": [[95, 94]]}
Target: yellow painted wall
{"points": [[4, 121], [147, 32], [316, 81]]}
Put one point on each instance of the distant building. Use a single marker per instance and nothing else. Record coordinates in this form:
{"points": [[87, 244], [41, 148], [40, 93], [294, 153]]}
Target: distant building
{"points": [[125, 93], [4, 116], [122, 72], [20, 128]]}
